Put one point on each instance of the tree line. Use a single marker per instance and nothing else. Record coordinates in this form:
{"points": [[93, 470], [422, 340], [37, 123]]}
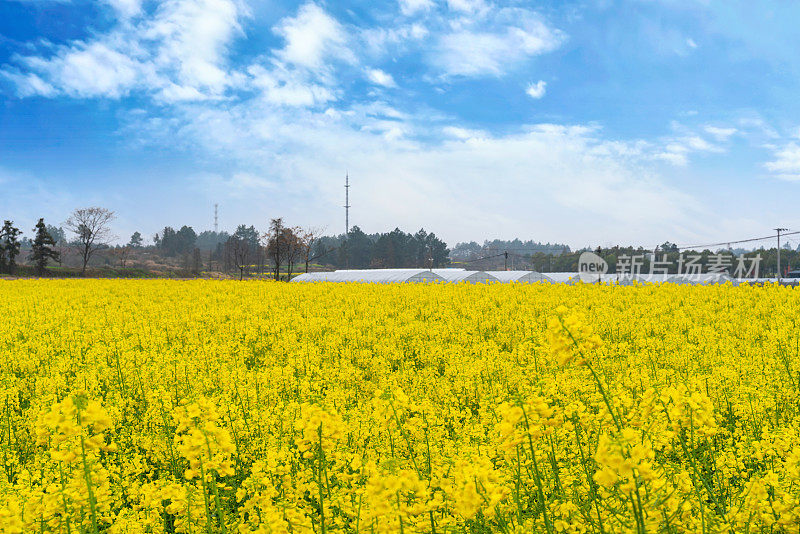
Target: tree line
{"points": [[670, 257], [282, 250], [247, 251], [395, 249], [42, 247], [468, 251], [90, 227]]}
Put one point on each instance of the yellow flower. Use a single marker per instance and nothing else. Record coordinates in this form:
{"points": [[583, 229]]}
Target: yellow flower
{"points": [[135, 407]]}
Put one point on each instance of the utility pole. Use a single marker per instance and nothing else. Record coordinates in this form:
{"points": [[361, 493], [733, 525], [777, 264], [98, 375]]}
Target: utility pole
{"points": [[506, 261], [216, 218], [779, 230]]}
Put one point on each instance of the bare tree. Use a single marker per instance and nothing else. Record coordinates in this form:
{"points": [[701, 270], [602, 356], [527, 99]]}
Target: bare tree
{"points": [[91, 228], [123, 253], [284, 247], [308, 237], [293, 248], [238, 252]]}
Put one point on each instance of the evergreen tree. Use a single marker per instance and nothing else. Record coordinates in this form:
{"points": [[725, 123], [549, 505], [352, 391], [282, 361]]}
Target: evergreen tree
{"points": [[42, 248], [168, 241], [177, 242], [136, 240], [58, 234], [209, 240], [197, 262], [437, 250], [9, 243], [359, 248], [186, 238]]}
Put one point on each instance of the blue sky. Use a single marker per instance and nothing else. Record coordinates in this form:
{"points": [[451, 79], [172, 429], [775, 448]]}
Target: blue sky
{"points": [[590, 123]]}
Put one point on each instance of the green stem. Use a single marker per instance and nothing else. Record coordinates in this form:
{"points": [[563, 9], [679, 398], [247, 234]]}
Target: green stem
{"points": [[88, 477], [319, 481], [205, 498], [538, 477], [220, 512], [407, 440], [64, 496], [589, 481]]}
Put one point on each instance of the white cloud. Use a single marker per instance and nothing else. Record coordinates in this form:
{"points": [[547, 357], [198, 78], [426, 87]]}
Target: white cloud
{"points": [[686, 141], [379, 77], [193, 37], [88, 70], [409, 7], [177, 53], [464, 133], [283, 87], [179, 93], [677, 150], [288, 132], [29, 84], [490, 47], [537, 90], [312, 37], [467, 6], [699, 144], [720, 134], [126, 8], [538, 177], [786, 165], [673, 157], [392, 41], [239, 186]]}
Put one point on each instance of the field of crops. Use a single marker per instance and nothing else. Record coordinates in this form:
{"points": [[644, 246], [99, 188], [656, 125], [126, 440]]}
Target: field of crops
{"points": [[167, 406]]}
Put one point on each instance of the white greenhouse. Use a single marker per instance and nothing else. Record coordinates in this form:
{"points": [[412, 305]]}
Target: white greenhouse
{"points": [[518, 276], [563, 278], [626, 279], [706, 278], [376, 276], [462, 275]]}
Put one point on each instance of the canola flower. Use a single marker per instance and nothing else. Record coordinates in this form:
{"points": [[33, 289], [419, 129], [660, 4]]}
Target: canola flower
{"points": [[222, 407]]}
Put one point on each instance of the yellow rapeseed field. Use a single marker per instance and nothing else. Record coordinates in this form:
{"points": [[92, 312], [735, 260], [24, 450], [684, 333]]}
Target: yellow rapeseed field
{"points": [[226, 407]]}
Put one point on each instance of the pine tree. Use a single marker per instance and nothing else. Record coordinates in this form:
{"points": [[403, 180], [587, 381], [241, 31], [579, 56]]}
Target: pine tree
{"points": [[41, 250], [136, 240], [9, 243]]}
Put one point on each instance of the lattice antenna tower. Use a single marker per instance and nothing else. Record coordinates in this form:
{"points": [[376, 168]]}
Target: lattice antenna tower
{"points": [[347, 204]]}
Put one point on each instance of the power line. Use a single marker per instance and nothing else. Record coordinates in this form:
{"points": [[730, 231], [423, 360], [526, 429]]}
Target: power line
{"points": [[483, 258], [751, 240]]}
